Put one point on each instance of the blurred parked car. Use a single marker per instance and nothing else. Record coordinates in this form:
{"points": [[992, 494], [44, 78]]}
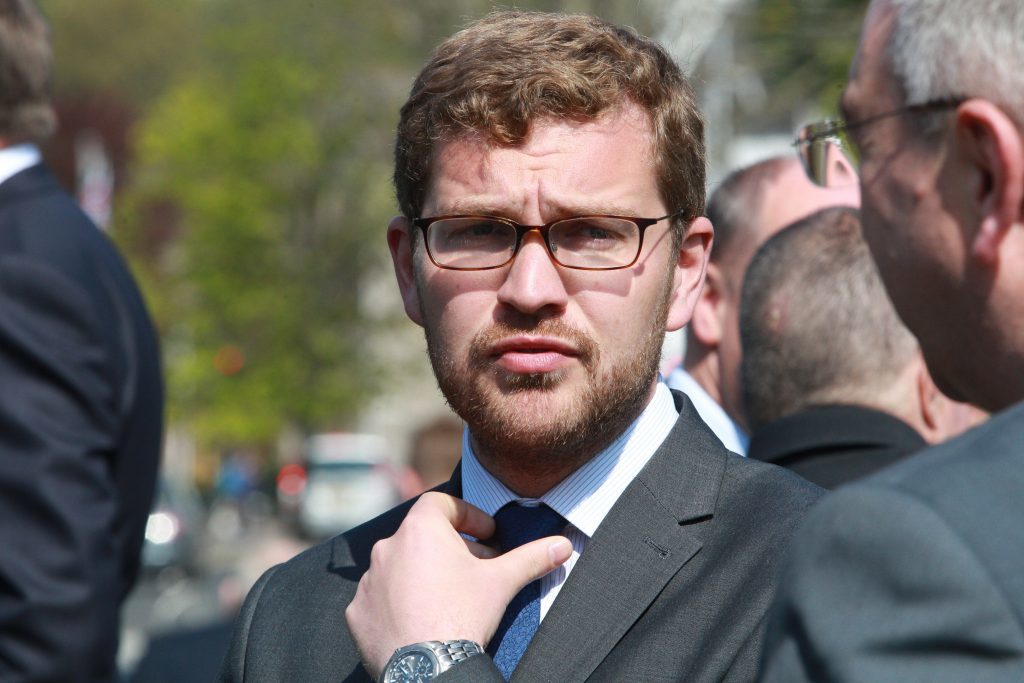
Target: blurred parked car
{"points": [[346, 479], [173, 528]]}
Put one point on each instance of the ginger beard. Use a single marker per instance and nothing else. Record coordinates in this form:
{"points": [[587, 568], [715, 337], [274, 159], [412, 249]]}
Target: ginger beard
{"points": [[520, 421]]}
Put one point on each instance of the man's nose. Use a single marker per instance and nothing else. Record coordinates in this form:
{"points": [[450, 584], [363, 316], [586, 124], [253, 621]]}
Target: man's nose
{"points": [[534, 281]]}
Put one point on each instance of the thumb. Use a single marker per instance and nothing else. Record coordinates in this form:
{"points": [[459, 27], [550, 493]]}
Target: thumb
{"points": [[531, 561]]}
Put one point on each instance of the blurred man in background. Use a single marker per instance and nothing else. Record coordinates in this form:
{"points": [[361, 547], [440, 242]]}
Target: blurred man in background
{"points": [[80, 398], [433, 455], [914, 574], [550, 173], [749, 206], [834, 385]]}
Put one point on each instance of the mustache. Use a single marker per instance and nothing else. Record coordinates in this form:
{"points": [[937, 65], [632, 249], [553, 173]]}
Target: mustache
{"points": [[484, 340]]}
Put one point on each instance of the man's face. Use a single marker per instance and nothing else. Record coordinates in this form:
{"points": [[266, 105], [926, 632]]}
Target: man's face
{"points": [[909, 207], [787, 198], [547, 363]]}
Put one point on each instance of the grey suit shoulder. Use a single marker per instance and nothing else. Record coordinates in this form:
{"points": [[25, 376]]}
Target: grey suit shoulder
{"points": [[913, 574], [674, 585]]}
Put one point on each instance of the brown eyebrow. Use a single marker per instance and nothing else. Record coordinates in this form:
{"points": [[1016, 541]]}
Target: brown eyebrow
{"points": [[459, 208]]}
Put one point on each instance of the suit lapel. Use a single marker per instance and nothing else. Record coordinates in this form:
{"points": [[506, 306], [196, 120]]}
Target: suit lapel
{"points": [[647, 538], [350, 552]]}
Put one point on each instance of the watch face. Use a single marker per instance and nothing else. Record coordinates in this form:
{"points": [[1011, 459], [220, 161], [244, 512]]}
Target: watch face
{"points": [[413, 667]]}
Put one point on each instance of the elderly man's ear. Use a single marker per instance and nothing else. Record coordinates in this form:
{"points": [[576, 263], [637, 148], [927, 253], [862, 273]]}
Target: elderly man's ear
{"points": [[400, 236], [991, 143]]}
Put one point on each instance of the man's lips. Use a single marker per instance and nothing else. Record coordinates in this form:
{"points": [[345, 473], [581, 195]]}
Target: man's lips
{"points": [[530, 355]]}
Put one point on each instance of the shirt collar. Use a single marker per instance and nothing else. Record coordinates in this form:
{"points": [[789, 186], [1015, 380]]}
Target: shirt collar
{"points": [[714, 416], [585, 496], [15, 159]]}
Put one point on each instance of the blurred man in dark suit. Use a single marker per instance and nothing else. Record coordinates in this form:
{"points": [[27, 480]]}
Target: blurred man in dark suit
{"points": [[914, 574], [80, 398], [834, 385]]}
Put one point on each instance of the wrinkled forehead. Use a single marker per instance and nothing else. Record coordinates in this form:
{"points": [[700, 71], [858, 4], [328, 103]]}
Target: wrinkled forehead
{"points": [[551, 140], [613, 120]]}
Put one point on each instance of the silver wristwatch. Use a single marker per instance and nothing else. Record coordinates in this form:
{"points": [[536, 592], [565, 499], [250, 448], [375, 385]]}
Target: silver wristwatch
{"points": [[423, 661]]}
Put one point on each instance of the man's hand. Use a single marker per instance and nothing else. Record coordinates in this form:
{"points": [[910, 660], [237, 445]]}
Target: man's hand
{"points": [[428, 583]]}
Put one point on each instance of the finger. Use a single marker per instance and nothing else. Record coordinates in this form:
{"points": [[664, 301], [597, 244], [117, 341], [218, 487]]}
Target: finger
{"points": [[531, 561], [466, 518], [481, 551]]}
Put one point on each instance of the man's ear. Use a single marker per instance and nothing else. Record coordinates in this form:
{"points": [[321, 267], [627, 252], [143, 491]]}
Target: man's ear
{"points": [[931, 404], [990, 140], [690, 270], [941, 417], [708, 320], [400, 238]]}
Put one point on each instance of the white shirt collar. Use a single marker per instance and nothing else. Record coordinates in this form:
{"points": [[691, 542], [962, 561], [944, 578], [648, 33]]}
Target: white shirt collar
{"points": [[727, 431], [14, 160], [585, 496]]}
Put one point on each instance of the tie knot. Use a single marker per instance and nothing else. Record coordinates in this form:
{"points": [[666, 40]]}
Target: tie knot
{"points": [[517, 524]]}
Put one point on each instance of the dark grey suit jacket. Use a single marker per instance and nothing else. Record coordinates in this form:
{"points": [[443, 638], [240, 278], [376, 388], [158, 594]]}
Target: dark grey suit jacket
{"points": [[673, 586], [81, 410], [914, 574]]}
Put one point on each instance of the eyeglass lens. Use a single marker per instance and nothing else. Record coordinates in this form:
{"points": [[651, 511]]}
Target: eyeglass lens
{"points": [[827, 155], [471, 242]]}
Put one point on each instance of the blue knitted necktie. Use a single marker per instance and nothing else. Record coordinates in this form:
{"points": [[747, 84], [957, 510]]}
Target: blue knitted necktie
{"points": [[517, 525]]}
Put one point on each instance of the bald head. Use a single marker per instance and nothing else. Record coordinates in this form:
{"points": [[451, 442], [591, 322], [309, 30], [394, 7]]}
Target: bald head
{"points": [[755, 202]]}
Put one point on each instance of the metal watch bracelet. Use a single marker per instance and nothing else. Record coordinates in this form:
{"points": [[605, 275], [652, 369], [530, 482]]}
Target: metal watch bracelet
{"points": [[454, 651], [445, 655]]}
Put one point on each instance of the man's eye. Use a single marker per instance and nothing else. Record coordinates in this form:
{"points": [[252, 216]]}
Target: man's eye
{"points": [[592, 234], [483, 229], [465, 233], [470, 230], [596, 232]]}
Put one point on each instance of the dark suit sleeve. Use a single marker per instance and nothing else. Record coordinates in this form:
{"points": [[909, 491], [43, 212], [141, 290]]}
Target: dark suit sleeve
{"points": [[59, 560], [881, 588]]}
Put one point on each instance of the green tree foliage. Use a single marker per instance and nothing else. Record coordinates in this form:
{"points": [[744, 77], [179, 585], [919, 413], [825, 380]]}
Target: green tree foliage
{"points": [[129, 47], [274, 157], [802, 50]]}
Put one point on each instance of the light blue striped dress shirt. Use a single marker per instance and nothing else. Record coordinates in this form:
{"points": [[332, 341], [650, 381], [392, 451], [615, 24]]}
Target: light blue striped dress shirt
{"points": [[584, 497]]}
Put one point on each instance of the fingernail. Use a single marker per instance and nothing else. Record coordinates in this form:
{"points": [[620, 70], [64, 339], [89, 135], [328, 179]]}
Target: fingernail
{"points": [[559, 551]]}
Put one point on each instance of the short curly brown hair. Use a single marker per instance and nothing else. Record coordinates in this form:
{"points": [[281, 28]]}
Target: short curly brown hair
{"points": [[512, 68]]}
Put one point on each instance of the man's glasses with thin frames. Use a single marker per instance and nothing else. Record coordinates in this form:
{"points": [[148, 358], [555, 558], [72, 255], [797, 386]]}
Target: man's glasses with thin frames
{"points": [[581, 242]]}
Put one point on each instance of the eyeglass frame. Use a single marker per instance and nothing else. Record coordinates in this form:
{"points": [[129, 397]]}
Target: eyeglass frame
{"points": [[828, 130], [423, 223]]}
